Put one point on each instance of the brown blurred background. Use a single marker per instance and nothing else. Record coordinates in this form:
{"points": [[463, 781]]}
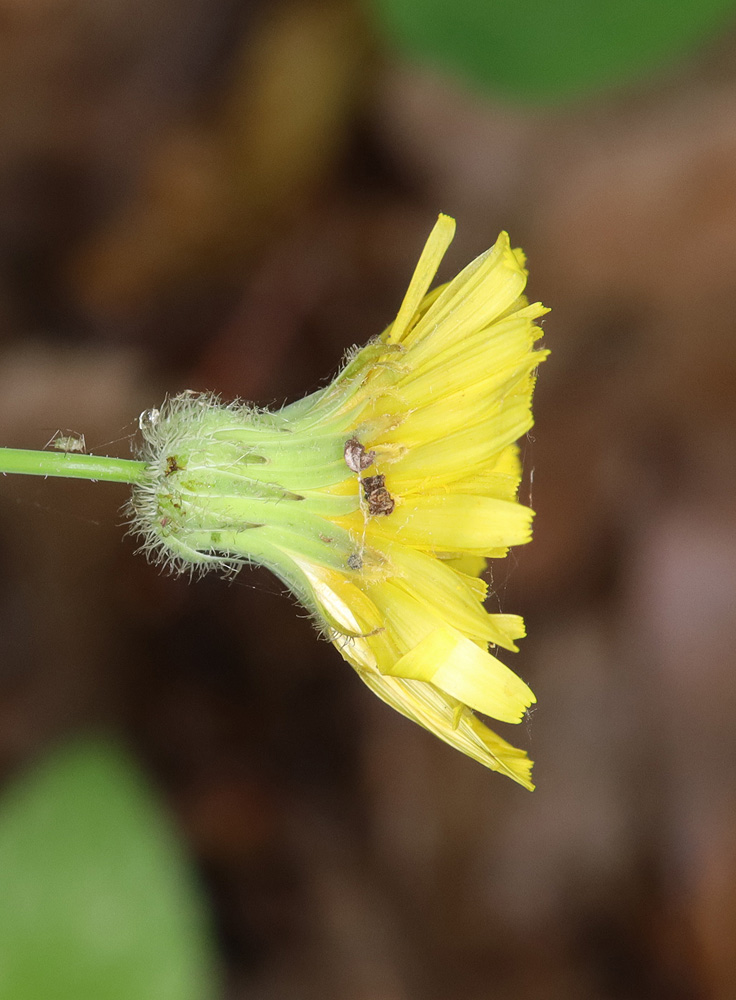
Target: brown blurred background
{"points": [[215, 195]]}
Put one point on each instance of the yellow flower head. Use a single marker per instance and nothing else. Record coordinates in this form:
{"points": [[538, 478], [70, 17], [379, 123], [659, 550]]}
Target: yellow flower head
{"points": [[378, 499]]}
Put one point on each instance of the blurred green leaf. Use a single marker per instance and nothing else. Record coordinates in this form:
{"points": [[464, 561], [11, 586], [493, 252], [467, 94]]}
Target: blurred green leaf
{"points": [[548, 49], [96, 900]]}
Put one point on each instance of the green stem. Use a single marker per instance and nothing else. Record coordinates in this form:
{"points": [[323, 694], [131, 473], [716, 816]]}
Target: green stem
{"points": [[70, 465]]}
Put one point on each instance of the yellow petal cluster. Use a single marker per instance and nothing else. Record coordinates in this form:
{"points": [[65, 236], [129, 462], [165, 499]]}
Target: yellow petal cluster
{"points": [[379, 498], [447, 400]]}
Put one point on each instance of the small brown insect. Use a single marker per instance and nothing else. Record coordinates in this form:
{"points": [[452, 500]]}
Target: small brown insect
{"points": [[172, 465], [378, 497], [356, 457]]}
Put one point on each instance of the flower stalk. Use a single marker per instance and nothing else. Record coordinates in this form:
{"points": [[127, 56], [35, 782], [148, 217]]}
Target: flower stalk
{"points": [[70, 465]]}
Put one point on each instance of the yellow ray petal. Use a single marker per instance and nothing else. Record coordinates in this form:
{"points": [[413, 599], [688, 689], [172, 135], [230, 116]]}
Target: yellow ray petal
{"points": [[455, 523], [452, 722], [464, 670], [449, 412], [482, 292], [500, 479], [470, 568], [494, 358], [448, 595], [346, 607], [443, 461], [508, 628], [434, 250]]}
